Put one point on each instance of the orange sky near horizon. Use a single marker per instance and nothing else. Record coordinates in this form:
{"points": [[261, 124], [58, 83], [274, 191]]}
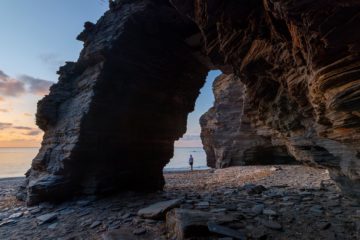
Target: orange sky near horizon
{"points": [[36, 40], [18, 102], [17, 114]]}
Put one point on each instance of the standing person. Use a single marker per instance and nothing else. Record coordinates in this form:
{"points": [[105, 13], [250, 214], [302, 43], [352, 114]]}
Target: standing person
{"points": [[191, 162]]}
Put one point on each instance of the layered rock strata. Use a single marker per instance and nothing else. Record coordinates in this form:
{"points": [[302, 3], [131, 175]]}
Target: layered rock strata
{"points": [[227, 134], [111, 121], [300, 62]]}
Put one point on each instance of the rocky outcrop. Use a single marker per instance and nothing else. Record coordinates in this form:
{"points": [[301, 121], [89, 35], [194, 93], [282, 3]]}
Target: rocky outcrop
{"points": [[220, 126], [299, 61], [227, 134], [111, 121]]}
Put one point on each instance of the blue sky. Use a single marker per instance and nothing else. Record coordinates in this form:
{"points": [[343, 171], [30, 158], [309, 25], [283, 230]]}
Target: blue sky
{"points": [[38, 36]]}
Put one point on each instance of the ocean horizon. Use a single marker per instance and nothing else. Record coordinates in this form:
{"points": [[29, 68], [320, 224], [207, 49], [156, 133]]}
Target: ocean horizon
{"points": [[15, 161]]}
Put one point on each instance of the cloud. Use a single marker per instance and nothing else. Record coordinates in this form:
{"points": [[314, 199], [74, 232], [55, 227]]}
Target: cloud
{"points": [[190, 137], [22, 128], [3, 110], [3, 75], [189, 140], [28, 114], [10, 87], [14, 87], [36, 85], [2, 99], [33, 133], [5, 125]]}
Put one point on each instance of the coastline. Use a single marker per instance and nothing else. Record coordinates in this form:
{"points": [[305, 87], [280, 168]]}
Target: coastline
{"points": [[294, 197], [11, 179], [184, 170]]}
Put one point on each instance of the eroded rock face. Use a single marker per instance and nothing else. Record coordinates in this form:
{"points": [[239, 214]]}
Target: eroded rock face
{"points": [[227, 134], [300, 63], [220, 126], [111, 121]]}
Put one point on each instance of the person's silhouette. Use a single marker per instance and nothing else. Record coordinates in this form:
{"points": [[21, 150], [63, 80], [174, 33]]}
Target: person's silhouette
{"points": [[191, 162]]}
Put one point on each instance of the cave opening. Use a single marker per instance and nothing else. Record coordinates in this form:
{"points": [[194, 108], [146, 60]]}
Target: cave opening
{"points": [[268, 155], [190, 143], [111, 121]]}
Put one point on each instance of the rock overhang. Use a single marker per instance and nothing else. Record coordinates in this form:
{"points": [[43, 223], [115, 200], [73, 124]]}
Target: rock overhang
{"points": [[111, 121]]}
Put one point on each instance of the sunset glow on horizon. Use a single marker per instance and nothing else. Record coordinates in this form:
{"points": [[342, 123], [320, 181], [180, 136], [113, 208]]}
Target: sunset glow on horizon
{"points": [[18, 102], [37, 42], [36, 39]]}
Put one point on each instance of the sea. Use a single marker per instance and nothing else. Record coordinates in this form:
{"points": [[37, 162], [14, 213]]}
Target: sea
{"points": [[14, 162]]}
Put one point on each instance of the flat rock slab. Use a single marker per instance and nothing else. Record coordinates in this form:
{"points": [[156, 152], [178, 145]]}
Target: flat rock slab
{"points": [[46, 218], [159, 210], [185, 223], [15, 215], [271, 224], [7, 222], [225, 231]]}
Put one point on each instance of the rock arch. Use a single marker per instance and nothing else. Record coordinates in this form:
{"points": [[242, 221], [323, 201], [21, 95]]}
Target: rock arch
{"points": [[125, 101]]}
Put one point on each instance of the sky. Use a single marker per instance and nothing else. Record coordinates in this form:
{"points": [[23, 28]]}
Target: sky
{"points": [[37, 37]]}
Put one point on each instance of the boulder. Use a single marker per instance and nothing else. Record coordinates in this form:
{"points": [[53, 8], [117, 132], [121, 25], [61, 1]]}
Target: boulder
{"points": [[225, 231], [185, 223], [158, 210]]}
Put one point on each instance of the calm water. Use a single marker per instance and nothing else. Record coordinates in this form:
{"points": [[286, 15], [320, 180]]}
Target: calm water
{"points": [[14, 162], [180, 161]]}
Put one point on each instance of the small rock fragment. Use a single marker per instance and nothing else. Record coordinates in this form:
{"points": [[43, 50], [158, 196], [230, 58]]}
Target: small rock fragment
{"points": [[269, 212], [257, 209], [15, 215], [53, 226], [95, 224], [218, 210], [316, 209], [271, 224], [83, 203], [275, 168], [225, 231], [324, 225], [158, 210], [46, 218], [7, 222], [202, 205], [139, 231], [255, 189]]}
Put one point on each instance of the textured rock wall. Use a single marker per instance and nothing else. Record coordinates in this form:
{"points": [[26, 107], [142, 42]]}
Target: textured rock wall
{"points": [[227, 134], [220, 126], [300, 62], [111, 121]]}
